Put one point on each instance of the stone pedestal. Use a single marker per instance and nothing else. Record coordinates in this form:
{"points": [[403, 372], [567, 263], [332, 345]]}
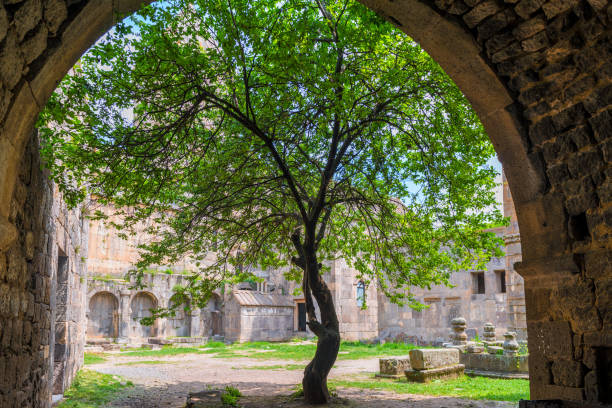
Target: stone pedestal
{"points": [[488, 334], [510, 344], [460, 338]]}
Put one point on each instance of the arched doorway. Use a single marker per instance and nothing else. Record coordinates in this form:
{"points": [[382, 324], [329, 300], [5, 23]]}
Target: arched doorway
{"points": [[211, 317], [140, 307], [538, 75], [102, 316]]}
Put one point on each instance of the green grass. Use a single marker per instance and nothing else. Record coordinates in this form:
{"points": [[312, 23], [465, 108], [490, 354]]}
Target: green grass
{"points": [[91, 389], [480, 388], [94, 358], [299, 352], [277, 351]]}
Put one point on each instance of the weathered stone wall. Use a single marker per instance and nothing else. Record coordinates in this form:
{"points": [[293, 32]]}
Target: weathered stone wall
{"points": [[432, 325], [356, 323], [41, 294], [113, 309], [69, 284]]}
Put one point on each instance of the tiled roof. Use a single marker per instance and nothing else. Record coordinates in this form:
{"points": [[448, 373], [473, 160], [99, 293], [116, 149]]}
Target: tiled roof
{"points": [[252, 298]]}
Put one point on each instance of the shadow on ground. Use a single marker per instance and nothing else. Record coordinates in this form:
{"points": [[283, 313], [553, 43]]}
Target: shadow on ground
{"points": [[266, 395]]}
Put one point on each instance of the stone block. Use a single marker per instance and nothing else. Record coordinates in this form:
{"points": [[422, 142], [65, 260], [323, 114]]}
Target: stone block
{"points": [[475, 348], [424, 359], [440, 373], [568, 373], [393, 366]]}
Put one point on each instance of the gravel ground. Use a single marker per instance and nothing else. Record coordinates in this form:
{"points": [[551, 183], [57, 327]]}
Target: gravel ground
{"points": [[168, 385]]}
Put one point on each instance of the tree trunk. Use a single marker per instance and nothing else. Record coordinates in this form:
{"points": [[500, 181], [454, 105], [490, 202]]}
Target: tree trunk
{"points": [[328, 332], [315, 374]]}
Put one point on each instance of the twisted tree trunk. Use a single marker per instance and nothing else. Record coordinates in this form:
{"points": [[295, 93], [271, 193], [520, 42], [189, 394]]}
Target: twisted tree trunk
{"points": [[327, 330]]}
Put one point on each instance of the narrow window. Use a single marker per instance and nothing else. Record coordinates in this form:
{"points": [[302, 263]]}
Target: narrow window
{"points": [[501, 281], [361, 294], [478, 282], [301, 318]]}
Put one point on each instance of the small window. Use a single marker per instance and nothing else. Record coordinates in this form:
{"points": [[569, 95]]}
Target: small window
{"points": [[361, 294], [501, 281], [478, 282]]}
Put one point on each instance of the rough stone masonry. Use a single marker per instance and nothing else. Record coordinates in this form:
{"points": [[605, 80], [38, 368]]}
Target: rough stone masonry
{"points": [[539, 75]]}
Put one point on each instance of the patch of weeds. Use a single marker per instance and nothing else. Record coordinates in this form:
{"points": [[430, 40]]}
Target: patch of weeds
{"points": [[94, 358], [298, 392], [480, 388], [91, 389], [230, 396]]}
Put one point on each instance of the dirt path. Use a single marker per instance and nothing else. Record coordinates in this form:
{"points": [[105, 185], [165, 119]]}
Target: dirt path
{"points": [[167, 385]]}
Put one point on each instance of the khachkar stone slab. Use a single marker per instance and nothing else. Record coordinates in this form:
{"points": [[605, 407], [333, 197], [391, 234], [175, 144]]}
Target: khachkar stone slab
{"points": [[393, 367], [425, 359], [431, 364]]}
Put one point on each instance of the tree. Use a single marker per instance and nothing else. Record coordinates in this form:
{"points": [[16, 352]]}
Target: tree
{"points": [[285, 134]]}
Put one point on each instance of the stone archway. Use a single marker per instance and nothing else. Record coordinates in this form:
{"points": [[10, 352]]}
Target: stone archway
{"points": [[103, 316], [140, 306], [538, 72]]}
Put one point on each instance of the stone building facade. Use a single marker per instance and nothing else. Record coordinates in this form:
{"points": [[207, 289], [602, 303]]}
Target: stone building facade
{"points": [[267, 310]]}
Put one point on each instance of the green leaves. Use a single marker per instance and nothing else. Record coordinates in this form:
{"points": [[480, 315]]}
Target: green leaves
{"points": [[227, 125]]}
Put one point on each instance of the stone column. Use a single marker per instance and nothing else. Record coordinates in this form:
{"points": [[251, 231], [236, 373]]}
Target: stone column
{"points": [[195, 323], [489, 333], [460, 338], [124, 316], [510, 344]]}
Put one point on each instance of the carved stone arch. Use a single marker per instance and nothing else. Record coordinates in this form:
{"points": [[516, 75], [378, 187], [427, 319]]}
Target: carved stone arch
{"points": [[537, 72]]}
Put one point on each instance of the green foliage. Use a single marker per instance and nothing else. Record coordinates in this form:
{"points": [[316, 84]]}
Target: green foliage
{"points": [[233, 391], [231, 126], [91, 389], [230, 396], [465, 387]]}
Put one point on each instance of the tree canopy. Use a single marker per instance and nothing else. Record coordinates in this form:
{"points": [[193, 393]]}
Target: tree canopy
{"points": [[247, 126]]}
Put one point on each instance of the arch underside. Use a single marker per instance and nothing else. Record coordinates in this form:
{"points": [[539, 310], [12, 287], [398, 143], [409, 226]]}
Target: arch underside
{"points": [[539, 75]]}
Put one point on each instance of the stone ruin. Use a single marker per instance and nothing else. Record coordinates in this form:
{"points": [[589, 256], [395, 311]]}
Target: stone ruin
{"points": [[434, 364], [490, 358], [393, 367]]}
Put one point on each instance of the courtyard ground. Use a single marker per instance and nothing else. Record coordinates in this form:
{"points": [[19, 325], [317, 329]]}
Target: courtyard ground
{"points": [[165, 378]]}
